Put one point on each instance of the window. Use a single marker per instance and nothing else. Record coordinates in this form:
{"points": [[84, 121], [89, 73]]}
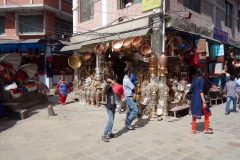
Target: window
{"points": [[193, 5], [122, 3], [238, 21], [30, 24], [62, 26], [2, 25], [86, 10], [228, 15]]}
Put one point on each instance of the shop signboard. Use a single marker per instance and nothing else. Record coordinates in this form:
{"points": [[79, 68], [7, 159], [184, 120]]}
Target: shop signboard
{"points": [[220, 35], [150, 4]]}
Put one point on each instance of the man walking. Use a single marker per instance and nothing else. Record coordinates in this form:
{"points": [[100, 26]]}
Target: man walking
{"points": [[230, 89], [132, 109]]}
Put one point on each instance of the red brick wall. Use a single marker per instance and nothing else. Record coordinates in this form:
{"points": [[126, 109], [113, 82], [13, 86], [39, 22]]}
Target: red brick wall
{"points": [[17, 2], [9, 28], [204, 18], [38, 1], [1, 3], [52, 3], [113, 14], [50, 23], [66, 7]]}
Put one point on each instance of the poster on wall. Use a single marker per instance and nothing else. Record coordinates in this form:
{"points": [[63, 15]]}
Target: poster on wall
{"points": [[150, 4]]}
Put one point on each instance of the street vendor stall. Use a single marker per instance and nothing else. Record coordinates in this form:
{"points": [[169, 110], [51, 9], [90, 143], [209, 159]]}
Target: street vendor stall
{"points": [[16, 84]]}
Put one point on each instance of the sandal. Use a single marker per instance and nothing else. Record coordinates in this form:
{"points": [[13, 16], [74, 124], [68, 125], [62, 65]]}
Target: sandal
{"points": [[208, 132], [194, 131]]}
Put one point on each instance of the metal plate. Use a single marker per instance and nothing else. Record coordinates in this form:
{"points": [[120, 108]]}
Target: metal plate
{"points": [[74, 62]]}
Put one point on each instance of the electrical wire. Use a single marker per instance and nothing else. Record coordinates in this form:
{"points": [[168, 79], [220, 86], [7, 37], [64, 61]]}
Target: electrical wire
{"points": [[15, 19], [36, 24]]}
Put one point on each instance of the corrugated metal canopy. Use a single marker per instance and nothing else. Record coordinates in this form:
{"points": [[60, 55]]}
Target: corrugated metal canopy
{"points": [[105, 39]]}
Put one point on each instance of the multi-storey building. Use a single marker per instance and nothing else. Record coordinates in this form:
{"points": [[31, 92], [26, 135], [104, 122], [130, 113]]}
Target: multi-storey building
{"points": [[221, 14], [28, 19]]}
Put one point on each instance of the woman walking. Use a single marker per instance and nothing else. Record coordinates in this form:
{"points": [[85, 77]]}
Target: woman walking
{"points": [[110, 107], [198, 103], [62, 89]]}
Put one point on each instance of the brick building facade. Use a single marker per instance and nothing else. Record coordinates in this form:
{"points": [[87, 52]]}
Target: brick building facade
{"points": [[209, 14], [25, 19]]}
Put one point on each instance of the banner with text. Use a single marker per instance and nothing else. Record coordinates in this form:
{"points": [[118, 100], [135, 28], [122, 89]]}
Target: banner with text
{"points": [[150, 4]]}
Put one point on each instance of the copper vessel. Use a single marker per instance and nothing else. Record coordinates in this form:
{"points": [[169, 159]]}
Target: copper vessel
{"points": [[163, 59], [86, 56], [153, 61], [137, 41], [106, 46], [153, 71], [99, 48], [146, 49], [117, 45], [127, 42]]}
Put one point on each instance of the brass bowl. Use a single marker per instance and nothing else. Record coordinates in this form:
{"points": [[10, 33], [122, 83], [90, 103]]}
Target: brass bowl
{"points": [[99, 48], [117, 45], [127, 43], [146, 50], [74, 62], [137, 41]]}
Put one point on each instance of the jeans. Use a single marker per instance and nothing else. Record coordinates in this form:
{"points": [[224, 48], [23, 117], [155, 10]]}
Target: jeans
{"points": [[111, 115], [119, 102], [234, 99], [132, 110]]}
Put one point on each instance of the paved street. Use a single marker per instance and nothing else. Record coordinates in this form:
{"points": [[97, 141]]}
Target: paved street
{"points": [[75, 133]]}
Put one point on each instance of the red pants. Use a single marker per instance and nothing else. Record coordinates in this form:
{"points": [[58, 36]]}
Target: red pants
{"points": [[62, 98], [206, 120]]}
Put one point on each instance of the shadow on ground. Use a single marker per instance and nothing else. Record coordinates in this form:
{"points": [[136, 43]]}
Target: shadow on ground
{"points": [[140, 123], [6, 124]]}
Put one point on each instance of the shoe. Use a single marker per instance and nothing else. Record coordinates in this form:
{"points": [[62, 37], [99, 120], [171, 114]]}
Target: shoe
{"points": [[104, 139], [122, 110], [111, 135], [235, 112], [208, 132], [129, 127], [226, 113]]}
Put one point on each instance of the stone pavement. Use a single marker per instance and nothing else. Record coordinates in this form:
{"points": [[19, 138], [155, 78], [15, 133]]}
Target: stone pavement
{"points": [[75, 133]]}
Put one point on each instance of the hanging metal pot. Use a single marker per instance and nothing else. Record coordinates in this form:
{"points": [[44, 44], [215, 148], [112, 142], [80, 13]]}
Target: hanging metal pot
{"points": [[127, 43], [146, 49], [86, 56], [74, 62], [117, 45], [137, 41], [106, 46], [99, 48]]}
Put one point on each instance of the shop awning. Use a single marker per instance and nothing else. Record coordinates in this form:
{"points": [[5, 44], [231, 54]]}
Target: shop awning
{"points": [[110, 38]]}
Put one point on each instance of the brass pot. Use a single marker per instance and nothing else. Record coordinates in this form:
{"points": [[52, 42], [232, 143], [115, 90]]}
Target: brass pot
{"points": [[117, 45], [137, 41], [153, 61], [74, 62], [146, 49], [127, 42], [106, 46], [99, 48]]}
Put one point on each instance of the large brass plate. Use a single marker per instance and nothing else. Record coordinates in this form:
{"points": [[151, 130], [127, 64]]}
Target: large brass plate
{"points": [[74, 62]]}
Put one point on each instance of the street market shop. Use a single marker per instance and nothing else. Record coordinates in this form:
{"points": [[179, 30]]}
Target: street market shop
{"points": [[164, 74]]}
